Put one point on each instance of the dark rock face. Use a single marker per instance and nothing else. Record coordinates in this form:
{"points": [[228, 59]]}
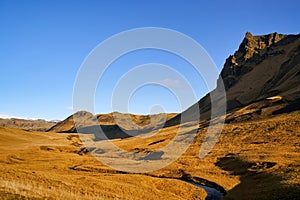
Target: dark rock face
{"points": [[252, 50], [263, 66]]}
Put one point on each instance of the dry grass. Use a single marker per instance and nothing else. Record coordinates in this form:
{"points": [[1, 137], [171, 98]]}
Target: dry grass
{"points": [[242, 161], [252, 160], [38, 165]]}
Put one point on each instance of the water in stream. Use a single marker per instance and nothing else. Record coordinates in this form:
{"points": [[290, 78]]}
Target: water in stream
{"points": [[212, 193]]}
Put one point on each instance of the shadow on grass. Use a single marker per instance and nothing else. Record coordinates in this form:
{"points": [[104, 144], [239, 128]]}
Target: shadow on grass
{"points": [[108, 132], [11, 196], [255, 182]]}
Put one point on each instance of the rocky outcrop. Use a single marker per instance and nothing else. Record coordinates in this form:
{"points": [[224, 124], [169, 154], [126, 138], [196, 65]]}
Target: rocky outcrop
{"points": [[264, 66], [252, 51]]}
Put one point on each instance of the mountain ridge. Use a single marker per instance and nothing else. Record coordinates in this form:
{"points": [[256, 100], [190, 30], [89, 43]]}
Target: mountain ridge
{"points": [[27, 124], [125, 121], [263, 66]]}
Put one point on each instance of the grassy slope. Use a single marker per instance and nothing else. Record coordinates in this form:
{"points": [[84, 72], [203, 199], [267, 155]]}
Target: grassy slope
{"points": [[242, 161], [252, 160], [38, 165]]}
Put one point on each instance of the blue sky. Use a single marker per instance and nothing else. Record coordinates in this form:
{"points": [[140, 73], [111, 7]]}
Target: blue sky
{"points": [[43, 44]]}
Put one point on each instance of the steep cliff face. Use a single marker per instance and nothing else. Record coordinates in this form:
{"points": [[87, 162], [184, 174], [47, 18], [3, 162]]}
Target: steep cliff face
{"points": [[252, 51], [263, 67]]}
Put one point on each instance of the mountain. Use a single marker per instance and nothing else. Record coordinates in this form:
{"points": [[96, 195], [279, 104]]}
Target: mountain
{"points": [[264, 66], [111, 121], [264, 72], [27, 124]]}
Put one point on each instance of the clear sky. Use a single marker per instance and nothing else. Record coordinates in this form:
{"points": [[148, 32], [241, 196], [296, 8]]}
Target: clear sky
{"points": [[43, 43]]}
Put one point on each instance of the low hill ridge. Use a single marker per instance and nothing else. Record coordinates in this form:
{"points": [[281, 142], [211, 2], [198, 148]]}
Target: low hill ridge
{"points": [[124, 120]]}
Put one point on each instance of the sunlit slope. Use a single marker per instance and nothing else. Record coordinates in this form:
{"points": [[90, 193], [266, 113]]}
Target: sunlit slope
{"points": [[255, 159], [56, 166]]}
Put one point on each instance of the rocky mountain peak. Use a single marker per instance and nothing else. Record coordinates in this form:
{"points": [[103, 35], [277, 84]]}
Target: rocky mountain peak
{"points": [[254, 44], [251, 51], [264, 69]]}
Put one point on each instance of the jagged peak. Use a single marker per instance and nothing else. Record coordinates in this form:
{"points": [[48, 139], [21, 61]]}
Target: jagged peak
{"points": [[261, 41], [248, 35], [252, 45], [253, 49]]}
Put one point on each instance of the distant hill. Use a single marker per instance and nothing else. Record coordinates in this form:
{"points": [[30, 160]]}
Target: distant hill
{"points": [[26, 124], [262, 68], [111, 121]]}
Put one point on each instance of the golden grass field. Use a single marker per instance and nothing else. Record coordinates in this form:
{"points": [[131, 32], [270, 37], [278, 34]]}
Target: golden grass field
{"points": [[257, 159], [38, 165]]}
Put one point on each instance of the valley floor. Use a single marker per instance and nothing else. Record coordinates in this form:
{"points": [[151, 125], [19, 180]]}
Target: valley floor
{"points": [[252, 160]]}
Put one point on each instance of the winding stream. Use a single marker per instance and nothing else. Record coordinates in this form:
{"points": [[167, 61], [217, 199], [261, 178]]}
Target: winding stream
{"points": [[212, 193]]}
